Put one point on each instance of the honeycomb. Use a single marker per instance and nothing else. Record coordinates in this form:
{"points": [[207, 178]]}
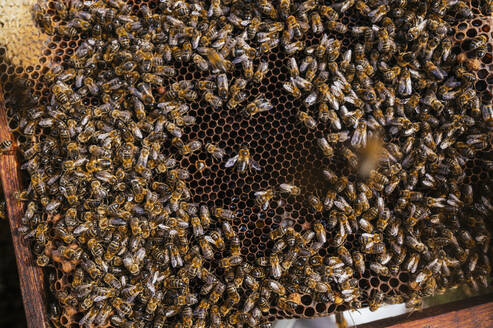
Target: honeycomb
{"points": [[285, 150]]}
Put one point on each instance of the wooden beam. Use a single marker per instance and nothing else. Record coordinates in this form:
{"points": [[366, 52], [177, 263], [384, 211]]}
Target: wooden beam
{"points": [[475, 312], [30, 275]]}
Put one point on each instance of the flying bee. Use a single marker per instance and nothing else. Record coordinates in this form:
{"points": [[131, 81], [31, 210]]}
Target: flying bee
{"points": [[243, 161], [263, 198]]}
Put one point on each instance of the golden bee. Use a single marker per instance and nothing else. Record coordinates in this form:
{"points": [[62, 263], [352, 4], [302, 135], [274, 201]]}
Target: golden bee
{"points": [[243, 161]]}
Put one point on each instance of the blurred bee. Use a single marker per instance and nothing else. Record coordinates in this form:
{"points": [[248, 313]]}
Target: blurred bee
{"points": [[243, 161]]}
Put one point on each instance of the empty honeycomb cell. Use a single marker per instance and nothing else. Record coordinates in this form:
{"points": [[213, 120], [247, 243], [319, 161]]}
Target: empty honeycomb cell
{"points": [[320, 307], [309, 312], [306, 300]]}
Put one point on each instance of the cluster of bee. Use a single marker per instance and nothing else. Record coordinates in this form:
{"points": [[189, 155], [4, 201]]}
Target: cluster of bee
{"points": [[109, 205]]}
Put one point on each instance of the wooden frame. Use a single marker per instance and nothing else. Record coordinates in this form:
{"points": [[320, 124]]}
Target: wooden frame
{"points": [[30, 275], [474, 312]]}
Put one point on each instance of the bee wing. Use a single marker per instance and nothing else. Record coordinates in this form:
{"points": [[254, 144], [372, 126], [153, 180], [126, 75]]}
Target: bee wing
{"points": [[254, 165], [209, 239], [284, 187], [100, 298], [231, 161], [260, 193], [276, 271]]}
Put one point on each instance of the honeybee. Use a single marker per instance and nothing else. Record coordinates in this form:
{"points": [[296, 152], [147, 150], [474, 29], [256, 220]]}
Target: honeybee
{"points": [[243, 161], [215, 151], [335, 26], [289, 189], [186, 149], [294, 28], [200, 62], [275, 286], [222, 85], [320, 232], [259, 74], [263, 198], [257, 106], [487, 113], [315, 203], [224, 214], [350, 157], [292, 89], [206, 248], [5, 145], [213, 100], [233, 260], [307, 120], [216, 60]]}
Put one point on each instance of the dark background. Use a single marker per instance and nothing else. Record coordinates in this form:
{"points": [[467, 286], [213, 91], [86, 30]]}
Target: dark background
{"points": [[11, 309]]}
